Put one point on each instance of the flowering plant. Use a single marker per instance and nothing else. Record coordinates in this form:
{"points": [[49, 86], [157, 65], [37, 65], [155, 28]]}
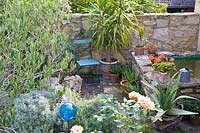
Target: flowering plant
{"points": [[162, 63]]}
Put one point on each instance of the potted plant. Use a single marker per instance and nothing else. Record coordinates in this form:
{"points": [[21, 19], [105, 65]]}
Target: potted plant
{"points": [[139, 49], [165, 66], [152, 48], [130, 81], [194, 106], [112, 22], [167, 99], [114, 72]]}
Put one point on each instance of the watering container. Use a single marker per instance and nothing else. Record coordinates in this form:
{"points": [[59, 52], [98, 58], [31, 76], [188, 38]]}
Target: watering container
{"points": [[185, 75]]}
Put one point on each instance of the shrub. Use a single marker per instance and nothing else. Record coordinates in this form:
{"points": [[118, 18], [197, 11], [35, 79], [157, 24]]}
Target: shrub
{"points": [[38, 111], [33, 46], [141, 6]]}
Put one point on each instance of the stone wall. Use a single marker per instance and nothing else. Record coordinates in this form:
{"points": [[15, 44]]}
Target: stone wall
{"points": [[175, 32]]}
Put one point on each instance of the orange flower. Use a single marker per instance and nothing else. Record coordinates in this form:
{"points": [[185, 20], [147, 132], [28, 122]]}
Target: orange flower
{"points": [[146, 103], [162, 56], [134, 95], [157, 60], [151, 57], [171, 60]]}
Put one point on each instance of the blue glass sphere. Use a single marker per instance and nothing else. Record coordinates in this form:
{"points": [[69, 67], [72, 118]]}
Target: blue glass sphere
{"points": [[68, 111]]}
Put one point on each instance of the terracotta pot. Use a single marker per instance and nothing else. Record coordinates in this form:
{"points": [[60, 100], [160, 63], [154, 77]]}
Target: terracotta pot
{"points": [[164, 77], [168, 123], [123, 86], [152, 48], [195, 120], [105, 67], [139, 50], [114, 77]]}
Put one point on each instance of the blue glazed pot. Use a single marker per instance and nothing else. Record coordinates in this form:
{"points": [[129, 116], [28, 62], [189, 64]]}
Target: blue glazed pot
{"points": [[185, 75]]}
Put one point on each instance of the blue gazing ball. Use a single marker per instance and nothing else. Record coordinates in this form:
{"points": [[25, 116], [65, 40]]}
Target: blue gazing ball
{"points": [[68, 111]]}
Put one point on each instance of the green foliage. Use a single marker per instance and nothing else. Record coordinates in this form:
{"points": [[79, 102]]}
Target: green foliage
{"points": [[111, 25], [167, 97], [132, 79], [192, 105], [148, 6], [38, 110], [33, 47], [140, 6], [78, 6], [115, 68], [141, 31], [131, 75], [106, 114]]}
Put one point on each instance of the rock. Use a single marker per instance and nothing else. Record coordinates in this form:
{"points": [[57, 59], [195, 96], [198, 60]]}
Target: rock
{"points": [[161, 34], [162, 22], [73, 82]]}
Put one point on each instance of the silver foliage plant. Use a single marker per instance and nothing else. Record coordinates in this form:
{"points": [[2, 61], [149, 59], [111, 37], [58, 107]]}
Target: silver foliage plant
{"points": [[40, 108]]}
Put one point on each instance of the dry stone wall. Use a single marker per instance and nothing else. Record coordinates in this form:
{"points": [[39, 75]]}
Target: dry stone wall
{"points": [[175, 32]]}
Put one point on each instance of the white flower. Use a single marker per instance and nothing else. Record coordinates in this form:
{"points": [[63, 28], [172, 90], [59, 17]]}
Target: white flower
{"points": [[76, 129]]}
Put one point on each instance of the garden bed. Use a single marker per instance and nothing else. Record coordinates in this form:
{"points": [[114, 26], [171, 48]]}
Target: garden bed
{"points": [[143, 65]]}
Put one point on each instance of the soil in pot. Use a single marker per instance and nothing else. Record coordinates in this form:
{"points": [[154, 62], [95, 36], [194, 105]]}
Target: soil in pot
{"points": [[139, 50]]}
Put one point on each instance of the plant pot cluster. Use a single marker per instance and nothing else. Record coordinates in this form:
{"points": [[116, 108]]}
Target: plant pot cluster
{"points": [[171, 109]]}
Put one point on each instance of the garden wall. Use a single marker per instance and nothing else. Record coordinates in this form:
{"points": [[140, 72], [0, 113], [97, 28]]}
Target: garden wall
{"points": [[175, 32]]}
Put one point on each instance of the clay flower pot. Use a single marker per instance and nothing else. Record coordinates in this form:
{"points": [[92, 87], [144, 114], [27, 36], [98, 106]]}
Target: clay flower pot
{"points": [[195, 120], [164, 77], [139, 50], [123, 86], [168, 123], [152, 48], [114, 77]]}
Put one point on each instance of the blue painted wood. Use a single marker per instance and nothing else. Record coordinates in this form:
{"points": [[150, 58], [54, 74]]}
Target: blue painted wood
{"points": [[82, 41], [88, 62]]}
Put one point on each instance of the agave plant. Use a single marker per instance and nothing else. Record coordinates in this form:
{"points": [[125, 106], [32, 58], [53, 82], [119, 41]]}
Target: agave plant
{"points": [[167, 97]]}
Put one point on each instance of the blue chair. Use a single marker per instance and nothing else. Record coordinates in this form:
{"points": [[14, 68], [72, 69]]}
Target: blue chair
{"points": [[82, 49]]}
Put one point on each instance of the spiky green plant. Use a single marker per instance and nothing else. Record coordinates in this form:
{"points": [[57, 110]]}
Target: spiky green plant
{"points": [[167, 97], [112, 22]]}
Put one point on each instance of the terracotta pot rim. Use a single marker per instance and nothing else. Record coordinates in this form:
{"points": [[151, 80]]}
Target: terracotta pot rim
{"points": [[114, 73], [122, 82]]}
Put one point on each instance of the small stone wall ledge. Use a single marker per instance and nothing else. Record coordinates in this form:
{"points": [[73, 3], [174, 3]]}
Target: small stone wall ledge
{"points": [[143, 66]]}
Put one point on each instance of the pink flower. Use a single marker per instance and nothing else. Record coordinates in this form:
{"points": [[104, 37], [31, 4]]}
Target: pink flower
{"points": [[146, 103], [171, 60], [76, 129], [134, 95], [162, 56]]}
